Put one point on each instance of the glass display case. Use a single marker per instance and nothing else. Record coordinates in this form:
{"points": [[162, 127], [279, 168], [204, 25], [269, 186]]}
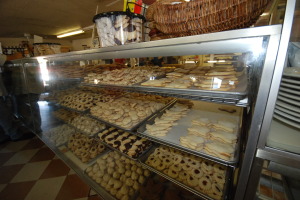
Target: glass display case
{"points": [[189, 109], [278, 145]]}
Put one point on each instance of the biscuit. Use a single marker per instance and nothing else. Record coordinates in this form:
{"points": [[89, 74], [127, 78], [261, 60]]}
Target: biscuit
{"points": [[205, 183]]}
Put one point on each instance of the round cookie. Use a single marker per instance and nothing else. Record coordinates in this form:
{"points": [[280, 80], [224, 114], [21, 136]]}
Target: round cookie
{"points": [[173, 174], [206, 167], [205, 183], [219, 178], [192, 181], [196, 173]]}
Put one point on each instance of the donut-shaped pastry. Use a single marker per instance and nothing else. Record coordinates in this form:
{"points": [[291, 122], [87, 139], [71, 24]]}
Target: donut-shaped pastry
{"points": [[192, 181], [161, 166], [173, 173], [217, 189], [204, 183], [196, 173], [219, 178], [219, 169], [156, 162], [183, 175], [206, 167]]}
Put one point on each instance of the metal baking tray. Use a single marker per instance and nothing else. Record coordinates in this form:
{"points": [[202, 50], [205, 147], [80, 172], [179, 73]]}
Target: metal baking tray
{"points": [[46, 134], [81, 131], [225, 189], [135, 127], [71, 109], [99, 189], [93, 159], [238, 93], [124, 154], [200, 109], [103, 191]]}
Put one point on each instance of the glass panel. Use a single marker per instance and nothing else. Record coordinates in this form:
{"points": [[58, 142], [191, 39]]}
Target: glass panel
{"points": [[287, 111], [120, 98]]}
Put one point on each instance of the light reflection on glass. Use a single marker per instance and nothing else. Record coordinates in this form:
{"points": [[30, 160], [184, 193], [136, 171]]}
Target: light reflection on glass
{"points": [[216, 83], [44, 71]]}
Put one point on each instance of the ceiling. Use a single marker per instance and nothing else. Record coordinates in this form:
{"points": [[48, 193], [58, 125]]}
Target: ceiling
{"points": [[48, 18]]}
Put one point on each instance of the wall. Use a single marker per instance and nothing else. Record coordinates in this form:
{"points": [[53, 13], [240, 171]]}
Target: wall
{"points": [[17, 41], [77, 44]]}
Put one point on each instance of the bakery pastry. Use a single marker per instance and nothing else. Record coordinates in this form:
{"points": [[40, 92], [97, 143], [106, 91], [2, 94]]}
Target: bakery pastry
{"points": [[192, 142], [201, 131], [225, 125], [224, 137], [220, 150]]}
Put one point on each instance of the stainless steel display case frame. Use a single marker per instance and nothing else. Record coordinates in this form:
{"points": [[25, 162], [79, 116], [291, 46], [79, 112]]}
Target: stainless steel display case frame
{"points": [[263, 152], [243, 40]]}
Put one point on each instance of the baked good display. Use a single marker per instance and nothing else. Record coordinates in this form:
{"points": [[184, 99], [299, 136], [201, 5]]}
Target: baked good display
{"points": [[65, 115], [87, 125], [85, 148], [126, 76], [83, 100], [66, 71], [119, 28], [163, 124], [218, 77], [60, 134], [202, 175], [159, 188], [129, 144], [118, 175], [214, 137], [126, 112]]}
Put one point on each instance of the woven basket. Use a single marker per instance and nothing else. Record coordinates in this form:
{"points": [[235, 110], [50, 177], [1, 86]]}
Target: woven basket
{"points": [[206, 16]]}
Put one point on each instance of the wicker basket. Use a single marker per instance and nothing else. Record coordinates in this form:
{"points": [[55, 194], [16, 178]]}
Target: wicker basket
{"points": [[205, 16]]}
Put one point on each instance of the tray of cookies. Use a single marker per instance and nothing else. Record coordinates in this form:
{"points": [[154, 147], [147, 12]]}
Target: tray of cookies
{"points": [[82, 100], [125, 143], [64, 115], [200, 176], [87, 125], [160, 188], [121, 177], [123, 77], [128, 113], [223, 81], [60, 135], [208, 130], [85, 148]]}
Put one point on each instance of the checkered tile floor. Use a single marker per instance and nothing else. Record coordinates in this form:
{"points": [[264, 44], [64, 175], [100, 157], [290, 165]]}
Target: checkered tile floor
{"points": [[29, 170]]}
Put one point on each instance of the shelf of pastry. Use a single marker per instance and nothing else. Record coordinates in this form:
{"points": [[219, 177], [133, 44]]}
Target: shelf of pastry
{"points": [[215, 86], [76, 164], [128, 112], [206, 179], [127, 144], [204, 129], [160, 188], [120, 177]]}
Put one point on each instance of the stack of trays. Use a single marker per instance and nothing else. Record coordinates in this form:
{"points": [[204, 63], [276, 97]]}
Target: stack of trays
{"points": [[287, 107]]}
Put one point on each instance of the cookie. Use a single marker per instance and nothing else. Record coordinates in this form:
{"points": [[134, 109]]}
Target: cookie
{"points": [[205, 183]]}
